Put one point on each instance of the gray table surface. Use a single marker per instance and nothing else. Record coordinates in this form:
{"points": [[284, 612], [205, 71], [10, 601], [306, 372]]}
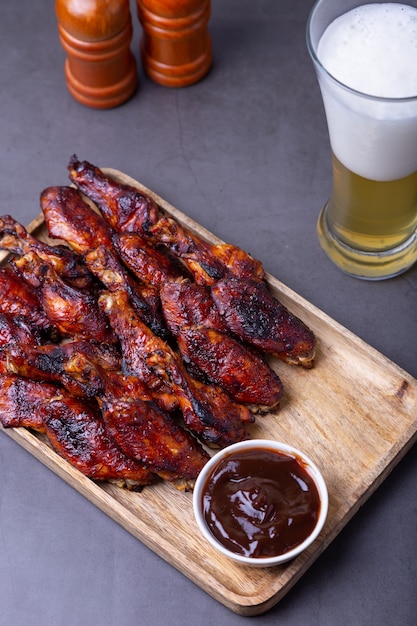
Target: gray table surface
{"points": [[245, 153]]}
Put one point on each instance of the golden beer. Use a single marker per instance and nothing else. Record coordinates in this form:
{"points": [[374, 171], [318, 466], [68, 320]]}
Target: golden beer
{"points": [[365, 62], [371, 215]]}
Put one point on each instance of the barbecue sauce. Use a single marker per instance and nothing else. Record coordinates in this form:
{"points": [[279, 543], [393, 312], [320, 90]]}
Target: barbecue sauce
{"points": [[260, 503]]}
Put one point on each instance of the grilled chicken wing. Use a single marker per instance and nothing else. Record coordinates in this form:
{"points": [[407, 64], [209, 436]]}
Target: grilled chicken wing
{"points": [[78, 433], [72, 311], [84, 368], [147, 262], [60, 364], [139, 427], [188, 304], [74, 428], [211, 264], [145, 432], [143, 297], [240, 293], [205, 344], [18, 298], [217, 421], [123, 206], [223, 361], [69, 265], [110, 394], [20, 401], [70, 218], [17, 330], [207, 262], [253, 314]]}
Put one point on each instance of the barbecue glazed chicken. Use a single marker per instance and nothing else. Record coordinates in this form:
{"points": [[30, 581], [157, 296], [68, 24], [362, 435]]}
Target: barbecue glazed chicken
{"points": [[123, 206], [60, 364], [141, 429], [71, 311], [15, 238], [210, 352], [21, 400], [144, 298], [207, 411], [80, 384], [77, 431], [17, 330], [238, 288], [149, 434], [74, 428], [139, 343], [70, 218], [147, 262], [18, 298], [209, 263], [256, 317]]}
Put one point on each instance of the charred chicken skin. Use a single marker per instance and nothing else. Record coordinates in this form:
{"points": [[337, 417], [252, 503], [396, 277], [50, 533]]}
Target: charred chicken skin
{"points": [[253, 314], [139, 426], [143, 297], [146, 433], [187, 304], [207, 262], [133, 424], [58, 364], [72, 311], [74, 428], [70, 266], [70, 218], [212, 353], [218, 422], [139, 342], [240, 293], [21, 400], [147, 262], [17, 330], [124, 207], [18, 298], [209, 265], [78, 433]]}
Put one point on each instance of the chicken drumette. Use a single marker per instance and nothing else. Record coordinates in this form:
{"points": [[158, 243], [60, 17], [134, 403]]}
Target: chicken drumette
{"points": [[209, 350], [74, 428], [70, 218], [71, 311], [18, 298], [70, 266], [124, 207]]}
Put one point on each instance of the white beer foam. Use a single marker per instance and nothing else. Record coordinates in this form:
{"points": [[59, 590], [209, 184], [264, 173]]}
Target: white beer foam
{"points": [[373, 50]]}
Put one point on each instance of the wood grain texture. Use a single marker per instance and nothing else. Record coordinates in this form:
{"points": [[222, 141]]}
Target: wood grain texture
{"points": [[354, 414]]}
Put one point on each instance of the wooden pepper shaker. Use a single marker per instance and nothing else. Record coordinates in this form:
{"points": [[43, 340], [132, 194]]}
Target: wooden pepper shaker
{"points": [[176, 46], [100, 69]]}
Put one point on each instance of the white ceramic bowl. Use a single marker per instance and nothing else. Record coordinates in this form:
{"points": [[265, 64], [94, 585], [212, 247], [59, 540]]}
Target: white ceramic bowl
{"points": [[274, 446]]}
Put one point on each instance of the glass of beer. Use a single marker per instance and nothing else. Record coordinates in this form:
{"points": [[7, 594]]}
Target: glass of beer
{"points": [[365, 57]]}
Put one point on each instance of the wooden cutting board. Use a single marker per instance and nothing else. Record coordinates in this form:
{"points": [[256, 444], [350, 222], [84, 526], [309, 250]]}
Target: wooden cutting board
{"points": [[354, 414]]}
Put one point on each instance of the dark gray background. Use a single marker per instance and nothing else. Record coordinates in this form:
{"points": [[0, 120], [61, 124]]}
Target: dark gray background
{"points": [[245, 153]]}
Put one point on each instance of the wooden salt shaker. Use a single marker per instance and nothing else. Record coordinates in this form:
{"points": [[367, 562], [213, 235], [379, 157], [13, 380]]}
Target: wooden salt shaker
{"points": [[100, 69], [176, 47]]}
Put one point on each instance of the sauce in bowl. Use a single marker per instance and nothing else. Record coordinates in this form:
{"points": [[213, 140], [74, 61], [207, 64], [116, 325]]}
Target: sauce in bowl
{"points": [[260, 502]]}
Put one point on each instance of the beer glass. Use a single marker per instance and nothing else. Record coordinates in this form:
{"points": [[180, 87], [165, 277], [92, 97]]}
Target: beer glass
{"points": [[368, 227]]}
